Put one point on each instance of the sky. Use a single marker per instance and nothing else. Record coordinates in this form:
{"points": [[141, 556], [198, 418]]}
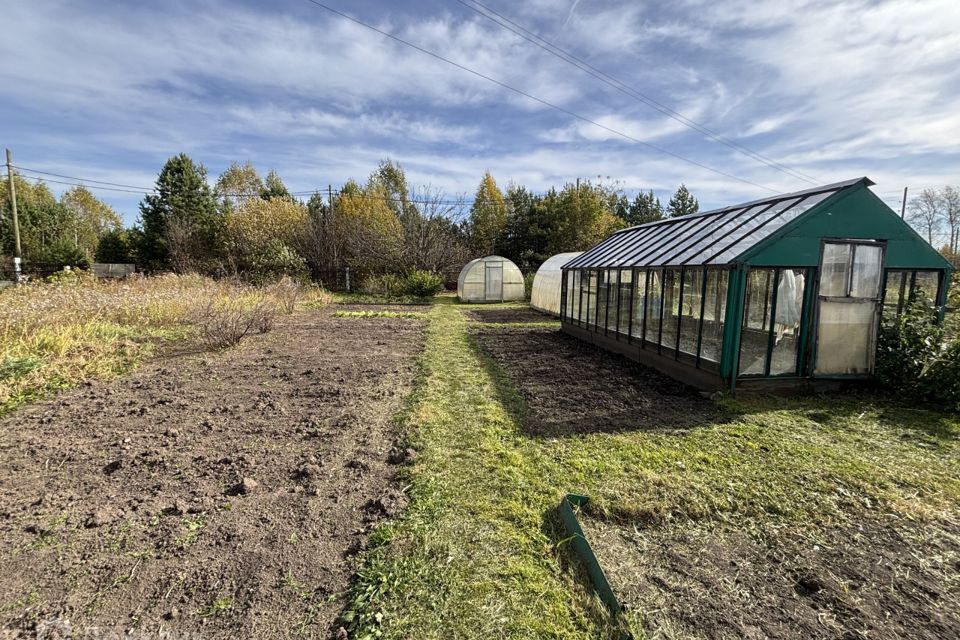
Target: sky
{"points": [[827, 90]]}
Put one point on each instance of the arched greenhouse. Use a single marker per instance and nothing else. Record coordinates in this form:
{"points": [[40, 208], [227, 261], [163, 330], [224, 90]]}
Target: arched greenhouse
{"points": [[545, 295], [490, 279]]}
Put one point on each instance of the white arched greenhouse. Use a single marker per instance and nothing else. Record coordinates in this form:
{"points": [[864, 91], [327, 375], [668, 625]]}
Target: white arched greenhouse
{"points": [[490, 279], [545, 295]]}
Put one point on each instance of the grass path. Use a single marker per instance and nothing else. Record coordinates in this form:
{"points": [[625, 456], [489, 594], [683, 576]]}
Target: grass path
{"points": [[474, 556], [479, 553]]}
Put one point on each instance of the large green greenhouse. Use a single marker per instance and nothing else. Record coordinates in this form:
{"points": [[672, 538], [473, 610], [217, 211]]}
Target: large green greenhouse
{"points": [[773, 294]]}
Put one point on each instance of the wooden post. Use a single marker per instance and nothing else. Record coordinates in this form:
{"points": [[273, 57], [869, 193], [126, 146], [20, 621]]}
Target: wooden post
{"points": [[16, 223]]}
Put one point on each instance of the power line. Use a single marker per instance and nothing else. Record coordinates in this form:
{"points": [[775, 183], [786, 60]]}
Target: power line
{"points": [[76, 181], [626, 89], [537, 99]]}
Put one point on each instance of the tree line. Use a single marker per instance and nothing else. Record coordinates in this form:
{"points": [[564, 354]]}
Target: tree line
{"points": [[936, 214], [249, 225]]}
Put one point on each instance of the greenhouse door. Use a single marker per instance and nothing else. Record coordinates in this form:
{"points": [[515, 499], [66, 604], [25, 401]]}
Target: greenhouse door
{"points": [[494, 282], [848, 307]]}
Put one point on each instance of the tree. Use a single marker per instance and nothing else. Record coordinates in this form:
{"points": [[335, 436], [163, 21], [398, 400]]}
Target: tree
{"points": [[91, 218], [239, 184], [644, 208], [488, 216], [682, 203], [51, 232], [273, 187], [266, 238], [180, 222], [951, 206], [432, 241], [117, 246], [580, 217], [369, 234], [926, 213]]}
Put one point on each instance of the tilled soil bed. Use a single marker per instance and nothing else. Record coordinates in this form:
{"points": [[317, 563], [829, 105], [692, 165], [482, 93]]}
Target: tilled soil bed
{"points": [[573, 387], [877, 579], [206, 495], [508, 315]]}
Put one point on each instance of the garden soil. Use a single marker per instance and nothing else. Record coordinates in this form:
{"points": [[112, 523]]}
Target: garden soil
{"points": [[207, 495]]}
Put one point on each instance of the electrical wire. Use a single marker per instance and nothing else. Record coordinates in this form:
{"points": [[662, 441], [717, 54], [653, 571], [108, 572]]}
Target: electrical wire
{"points": [[542, 101], [116, 187], [626, 89]]}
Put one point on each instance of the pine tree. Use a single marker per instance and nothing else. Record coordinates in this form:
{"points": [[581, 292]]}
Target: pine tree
{"points": [[682, 203], [645, 208], [180, 221], [488, 217], [273, 187]]}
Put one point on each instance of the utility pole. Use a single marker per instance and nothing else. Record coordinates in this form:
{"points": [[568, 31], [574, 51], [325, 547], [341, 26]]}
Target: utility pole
{"points": [[903, 205], [16, 223]]}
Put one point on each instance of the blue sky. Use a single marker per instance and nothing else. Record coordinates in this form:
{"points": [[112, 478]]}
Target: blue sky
{"points": [[108, 91]]}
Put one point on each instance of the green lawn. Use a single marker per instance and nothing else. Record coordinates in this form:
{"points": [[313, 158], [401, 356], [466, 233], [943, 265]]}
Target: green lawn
{"points": [[480, 553]]}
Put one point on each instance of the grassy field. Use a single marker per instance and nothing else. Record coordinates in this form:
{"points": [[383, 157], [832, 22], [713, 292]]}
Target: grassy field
{"points": [[479, 552], [55, 335]]}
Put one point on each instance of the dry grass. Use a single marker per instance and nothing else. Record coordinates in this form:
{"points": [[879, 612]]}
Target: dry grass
{"points": [[56, 335]]}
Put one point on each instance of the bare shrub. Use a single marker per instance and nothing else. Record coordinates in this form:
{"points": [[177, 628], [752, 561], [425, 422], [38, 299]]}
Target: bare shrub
{"points": [[287, 293], [224, 323]]}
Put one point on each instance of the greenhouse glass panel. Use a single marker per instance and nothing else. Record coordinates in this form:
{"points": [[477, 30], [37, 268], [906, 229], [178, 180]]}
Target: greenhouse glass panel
{"points": [[612, 300], [695, 242], [590, 308], [671, 300], [573, 295], [787, 315], [681, 237], [755, 335], [623, 315], [844, 337], [690, 310], [926, 287], [639, 303], [865, 280], [708, 245], [654, 306], [661, 232], [895, 293], [714, 315], [835, 269], [602, 289]]}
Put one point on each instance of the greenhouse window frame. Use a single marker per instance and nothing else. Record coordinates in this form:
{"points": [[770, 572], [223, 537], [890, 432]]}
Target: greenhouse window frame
{"points": [[655, 343], [805, 328]]}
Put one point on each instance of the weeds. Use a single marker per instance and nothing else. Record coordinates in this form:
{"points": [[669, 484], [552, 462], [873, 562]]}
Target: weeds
{"points": [[55, 335], [218, 607]]}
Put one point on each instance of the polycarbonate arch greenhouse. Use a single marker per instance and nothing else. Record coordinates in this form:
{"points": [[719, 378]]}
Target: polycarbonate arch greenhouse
{"points": [[490, 279], [773, 294], [545, 293]]}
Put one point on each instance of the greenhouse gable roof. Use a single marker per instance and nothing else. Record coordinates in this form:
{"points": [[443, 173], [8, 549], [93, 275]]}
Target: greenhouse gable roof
{"points": [[714, 237]]}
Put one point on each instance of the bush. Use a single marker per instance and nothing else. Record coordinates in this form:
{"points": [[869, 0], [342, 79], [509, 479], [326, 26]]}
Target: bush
{"points": [[387, 284], [287, 293], [915, 359], [528, 284], [422, 284], [226, 322], [417, 283]]}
